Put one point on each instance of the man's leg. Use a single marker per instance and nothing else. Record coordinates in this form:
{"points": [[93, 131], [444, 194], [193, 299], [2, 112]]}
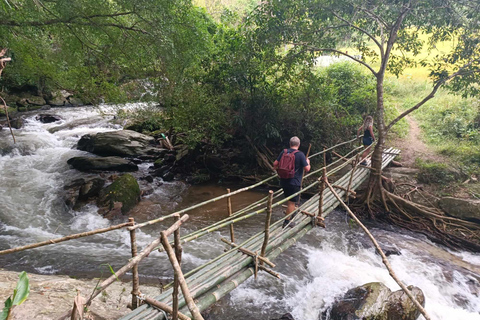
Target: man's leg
{"points": [[290, 207]]}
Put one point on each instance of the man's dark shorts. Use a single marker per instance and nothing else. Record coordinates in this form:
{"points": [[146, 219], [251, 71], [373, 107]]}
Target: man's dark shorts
{"points": [[288, 190]]}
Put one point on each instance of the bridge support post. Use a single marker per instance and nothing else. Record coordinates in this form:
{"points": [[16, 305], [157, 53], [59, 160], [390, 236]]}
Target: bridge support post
{"points": [[229, 209], [135, 280], [267, 224], [322, 189], [178, 273], [355, 164], [178, 255]]}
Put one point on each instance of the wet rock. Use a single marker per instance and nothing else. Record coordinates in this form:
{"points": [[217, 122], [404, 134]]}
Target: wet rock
{"points": [[461, 208], [400, 307], [149, 179], [169, 158], [147, 191], [123, 143], [47, 118], [87, 164], [374, 301], [91, 188], [17, 123], [286, 316], [161, 171], [119, 197], [168, 176]]}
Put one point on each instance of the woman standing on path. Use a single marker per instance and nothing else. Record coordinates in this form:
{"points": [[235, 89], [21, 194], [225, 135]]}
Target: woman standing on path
{"points": [[368, 137]]}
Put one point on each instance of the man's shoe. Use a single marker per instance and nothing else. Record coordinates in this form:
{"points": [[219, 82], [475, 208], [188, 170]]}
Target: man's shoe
{"points": [[363, 163], [287, 222]]}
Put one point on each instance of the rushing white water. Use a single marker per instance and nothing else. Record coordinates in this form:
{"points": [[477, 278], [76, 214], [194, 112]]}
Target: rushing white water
{"points": [[323, 265]]}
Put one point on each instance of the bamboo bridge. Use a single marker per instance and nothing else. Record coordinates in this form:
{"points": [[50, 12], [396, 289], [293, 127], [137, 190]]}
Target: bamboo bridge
{"points": [[206, 284]]}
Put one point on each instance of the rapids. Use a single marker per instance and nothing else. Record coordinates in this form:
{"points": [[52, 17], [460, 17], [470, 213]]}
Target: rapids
{"points": [[323, 265]]}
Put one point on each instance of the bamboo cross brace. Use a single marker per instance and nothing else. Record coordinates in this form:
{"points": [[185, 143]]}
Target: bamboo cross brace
{"points": [[382, 254], [355, 165], [162, 306], [267, 224], [181, 279], [66, 238], [270, 271], [345, 189], [145, 252], [248, 252]]}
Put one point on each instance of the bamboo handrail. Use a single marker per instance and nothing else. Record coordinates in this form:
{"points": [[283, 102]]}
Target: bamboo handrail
{"points": [[66, 238]]}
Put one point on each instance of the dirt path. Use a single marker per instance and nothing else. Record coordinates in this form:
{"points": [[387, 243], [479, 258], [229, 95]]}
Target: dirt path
{"points": [[414, 147]]}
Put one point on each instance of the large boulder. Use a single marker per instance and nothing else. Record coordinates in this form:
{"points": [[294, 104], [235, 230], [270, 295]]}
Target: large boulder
{"points": [[119, 197], [123, 143], [461, 208], [87, 164], [374, 301], [80, 191]]}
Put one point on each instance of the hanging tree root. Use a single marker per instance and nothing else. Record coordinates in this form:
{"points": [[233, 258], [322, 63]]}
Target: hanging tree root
{"points": [[382, 204]]}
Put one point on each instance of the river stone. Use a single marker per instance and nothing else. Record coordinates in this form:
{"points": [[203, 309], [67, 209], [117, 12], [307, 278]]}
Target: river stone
{"points": [[122, 143], [86, 164], [400, 307], [119, 197], [47, 118], [91, 188], [374, 301], [461, 208], [16, 123], [36, 100]]}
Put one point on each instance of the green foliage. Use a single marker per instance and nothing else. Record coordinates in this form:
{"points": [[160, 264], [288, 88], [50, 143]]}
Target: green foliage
{"points": [[20, 294], [92, 47]]}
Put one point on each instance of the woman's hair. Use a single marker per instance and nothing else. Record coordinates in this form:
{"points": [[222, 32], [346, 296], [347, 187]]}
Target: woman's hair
{"points": [[368, 122]]}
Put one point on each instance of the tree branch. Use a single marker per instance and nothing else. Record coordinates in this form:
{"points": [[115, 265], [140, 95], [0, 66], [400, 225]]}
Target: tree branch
{"points": [[368, 34], [13, 23], [339, 52], [430, 95]]}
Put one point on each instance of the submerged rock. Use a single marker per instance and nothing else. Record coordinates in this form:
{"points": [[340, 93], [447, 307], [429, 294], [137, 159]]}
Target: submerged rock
{"points": [[47, 118], [102, 164], [286, 316], [119, 197], [122, 143], [16, 123], [374, 301]]}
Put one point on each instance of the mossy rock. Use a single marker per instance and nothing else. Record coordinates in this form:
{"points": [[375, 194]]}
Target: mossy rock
{"points": [[119, 197]]}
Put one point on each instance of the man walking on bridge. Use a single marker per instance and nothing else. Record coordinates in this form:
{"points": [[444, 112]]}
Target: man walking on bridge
{"points": [[290, 166]]}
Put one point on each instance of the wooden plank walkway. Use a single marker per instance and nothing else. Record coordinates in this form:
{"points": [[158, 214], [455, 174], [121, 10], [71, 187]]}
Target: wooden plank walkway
{"points": [[222, 275]]}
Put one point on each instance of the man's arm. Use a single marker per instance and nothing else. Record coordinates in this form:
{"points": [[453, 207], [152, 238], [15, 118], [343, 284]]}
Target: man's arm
{"points": [[307, 167], [275, 165]]}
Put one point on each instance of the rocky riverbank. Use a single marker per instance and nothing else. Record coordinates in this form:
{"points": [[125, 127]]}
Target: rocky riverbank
{"points": [[52, 296]]}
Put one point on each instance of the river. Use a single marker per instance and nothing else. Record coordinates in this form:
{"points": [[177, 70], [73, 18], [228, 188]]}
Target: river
{"points": [[323, 265]]}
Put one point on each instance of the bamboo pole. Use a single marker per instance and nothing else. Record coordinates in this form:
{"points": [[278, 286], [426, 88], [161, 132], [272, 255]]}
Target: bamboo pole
{"points": [[355, 164], [183, 284], [163, 306], [135, 280], [248, 252], [178, 255], [145, 252], [267, 224], [333, 147], [66, 238], [147, 223], [382, 254], [229, 209], [321, 193]]}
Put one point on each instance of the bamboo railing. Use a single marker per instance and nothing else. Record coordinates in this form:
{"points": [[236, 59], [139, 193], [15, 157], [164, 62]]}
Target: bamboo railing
{"points": [[235, 262]]}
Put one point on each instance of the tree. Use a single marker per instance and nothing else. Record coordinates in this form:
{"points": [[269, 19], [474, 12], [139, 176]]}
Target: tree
{"points": [[387, 34], [92, 47]]}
